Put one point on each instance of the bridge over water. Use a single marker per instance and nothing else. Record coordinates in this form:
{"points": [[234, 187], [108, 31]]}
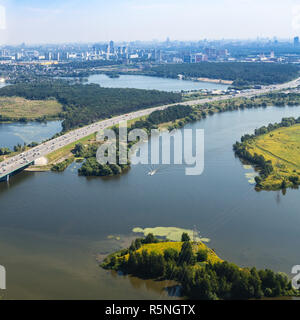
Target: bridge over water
{"points": [[7, 175]]}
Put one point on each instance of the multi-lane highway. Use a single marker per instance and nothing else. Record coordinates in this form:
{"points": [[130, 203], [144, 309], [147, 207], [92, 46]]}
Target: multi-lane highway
{"points": [[19, 161]]}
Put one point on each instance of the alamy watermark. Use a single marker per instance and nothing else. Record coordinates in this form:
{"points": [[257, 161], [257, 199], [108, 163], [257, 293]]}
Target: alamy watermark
{"points": [[188, 147], [296, 278], [2, 278]]}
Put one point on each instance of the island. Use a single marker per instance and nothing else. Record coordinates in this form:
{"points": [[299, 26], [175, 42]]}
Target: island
{"points": [[197, 269], [274, 150]]}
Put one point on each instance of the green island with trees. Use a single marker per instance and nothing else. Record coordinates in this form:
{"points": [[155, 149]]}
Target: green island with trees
{"points": [[199, 272], [241, 73], [275, 151]]}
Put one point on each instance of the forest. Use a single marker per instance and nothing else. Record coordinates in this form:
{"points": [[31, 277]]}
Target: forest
{"points": [[198, 277], [84, 104], [241, 73]]}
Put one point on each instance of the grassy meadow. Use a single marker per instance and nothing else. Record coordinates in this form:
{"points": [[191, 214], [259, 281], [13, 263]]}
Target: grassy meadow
{"points": [[282, 147], [15, 108]]}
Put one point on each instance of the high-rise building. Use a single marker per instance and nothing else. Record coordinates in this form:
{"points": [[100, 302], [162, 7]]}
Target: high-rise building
{"points": [[296, 41], [111, 47]]}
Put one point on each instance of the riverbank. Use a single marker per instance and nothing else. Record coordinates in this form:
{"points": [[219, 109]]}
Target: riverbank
{"points": [[274, 151], [221, 81]]}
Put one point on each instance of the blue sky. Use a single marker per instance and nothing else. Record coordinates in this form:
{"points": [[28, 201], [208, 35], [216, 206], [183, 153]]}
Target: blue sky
{"points": [[34, 21]]}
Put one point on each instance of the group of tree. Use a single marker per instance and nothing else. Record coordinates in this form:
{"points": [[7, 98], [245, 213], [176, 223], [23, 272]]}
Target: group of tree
{"points": [[84, 104], [62, 166], [198, 278], [17, 148], [265, 166], [91, 167], [241, 73], [5, 151]]}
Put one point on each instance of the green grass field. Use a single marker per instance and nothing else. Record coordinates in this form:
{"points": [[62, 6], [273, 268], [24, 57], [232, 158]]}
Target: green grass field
{"points": [[282, 147], [16, 108], [66, 150]]}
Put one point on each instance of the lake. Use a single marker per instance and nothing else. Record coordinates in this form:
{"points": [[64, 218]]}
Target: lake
{"points": [[149, 83], [54, 226], [13, 133]]}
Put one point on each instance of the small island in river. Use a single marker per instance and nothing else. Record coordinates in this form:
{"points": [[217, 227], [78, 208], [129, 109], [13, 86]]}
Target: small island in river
{"points": [[197, 269]]}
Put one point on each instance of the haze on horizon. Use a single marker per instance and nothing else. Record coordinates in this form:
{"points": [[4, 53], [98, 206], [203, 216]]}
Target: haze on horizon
{"points": [[57, 21]]}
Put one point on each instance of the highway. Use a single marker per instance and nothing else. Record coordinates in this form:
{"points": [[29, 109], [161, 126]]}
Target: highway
{"points": [[21, 160]]}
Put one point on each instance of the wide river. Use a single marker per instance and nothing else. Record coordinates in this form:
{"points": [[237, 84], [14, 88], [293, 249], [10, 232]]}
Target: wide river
{"points": [[54, 226]]}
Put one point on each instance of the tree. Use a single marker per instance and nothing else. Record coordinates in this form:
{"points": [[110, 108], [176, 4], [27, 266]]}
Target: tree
{"points": [[150, 238], [79, 150], [185, 237], [171, 254], [201, 255], [186, 254]]}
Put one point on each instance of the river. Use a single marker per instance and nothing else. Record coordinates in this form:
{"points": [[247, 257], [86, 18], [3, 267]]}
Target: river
{"points": [[13, 133], [149, 83], [54, 226]]}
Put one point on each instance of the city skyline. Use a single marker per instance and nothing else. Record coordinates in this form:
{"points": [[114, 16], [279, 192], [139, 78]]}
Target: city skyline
{"points": [[33, 22]]}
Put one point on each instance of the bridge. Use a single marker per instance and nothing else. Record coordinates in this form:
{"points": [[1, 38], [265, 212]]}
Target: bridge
{"points": [[7, 175], [17, 163]]}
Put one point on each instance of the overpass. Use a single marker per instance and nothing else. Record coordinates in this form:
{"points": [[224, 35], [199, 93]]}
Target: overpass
{"points": [[7, 175], [17, 163]]}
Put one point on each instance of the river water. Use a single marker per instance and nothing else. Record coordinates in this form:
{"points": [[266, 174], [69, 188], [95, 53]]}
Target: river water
{"points": [[149, 83], [13, 133], [54, 226]]}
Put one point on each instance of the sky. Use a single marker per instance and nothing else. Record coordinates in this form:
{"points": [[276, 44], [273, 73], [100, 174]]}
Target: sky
{"points": [[57, 21]]}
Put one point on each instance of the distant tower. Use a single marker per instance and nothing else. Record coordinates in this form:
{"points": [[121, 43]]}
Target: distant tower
{"points": [[296, 41], [111, 47]]}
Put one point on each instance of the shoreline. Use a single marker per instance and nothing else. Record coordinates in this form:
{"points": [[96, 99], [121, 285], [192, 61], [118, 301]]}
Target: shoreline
{"points": [[276, 171], [217, 81]]}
